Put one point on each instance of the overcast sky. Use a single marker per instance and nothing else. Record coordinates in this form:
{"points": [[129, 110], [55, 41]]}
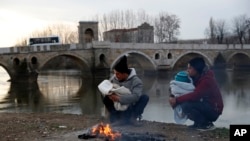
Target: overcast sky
{"points": [[18, 18]]}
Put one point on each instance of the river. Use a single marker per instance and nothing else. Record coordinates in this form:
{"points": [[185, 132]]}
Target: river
{"points": [[65, 91]]}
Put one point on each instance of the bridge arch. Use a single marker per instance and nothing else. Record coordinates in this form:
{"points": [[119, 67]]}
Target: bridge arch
{"points": [[235, 53], [149, 65], [4, 66], [71, 55], [82, 63], [207, 59], [238, 60]]}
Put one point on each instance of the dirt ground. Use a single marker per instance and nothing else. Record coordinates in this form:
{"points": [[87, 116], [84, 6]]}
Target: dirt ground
{"points": [[67, 127]]}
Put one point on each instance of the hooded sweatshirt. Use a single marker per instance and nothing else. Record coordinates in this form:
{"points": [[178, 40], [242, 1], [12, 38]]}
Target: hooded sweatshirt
{"points": [[134, 84], [206, 89]]}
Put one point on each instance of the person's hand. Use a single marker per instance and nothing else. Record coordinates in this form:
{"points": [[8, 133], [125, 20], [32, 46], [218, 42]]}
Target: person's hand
{"points": [[172, 101], [114, 97]]}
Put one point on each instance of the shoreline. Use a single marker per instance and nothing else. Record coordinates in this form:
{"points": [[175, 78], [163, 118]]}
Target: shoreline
{"points": [[58, 127]]}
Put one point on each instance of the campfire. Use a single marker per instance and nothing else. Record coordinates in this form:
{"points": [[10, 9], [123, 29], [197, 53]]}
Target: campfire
{"points": [[105, 132], [101, 131]]}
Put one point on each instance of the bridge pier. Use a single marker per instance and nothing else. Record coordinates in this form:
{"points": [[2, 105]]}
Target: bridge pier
{"points": [[102, 73], [27, 77], [24, 73]]}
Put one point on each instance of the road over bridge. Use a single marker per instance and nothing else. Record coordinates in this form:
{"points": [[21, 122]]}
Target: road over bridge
{"points": [[90, 57]]}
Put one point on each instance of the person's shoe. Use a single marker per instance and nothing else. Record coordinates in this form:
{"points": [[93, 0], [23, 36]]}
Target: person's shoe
{"points": [[135, 122], [206, 127], [140, 117], [194, 126]]}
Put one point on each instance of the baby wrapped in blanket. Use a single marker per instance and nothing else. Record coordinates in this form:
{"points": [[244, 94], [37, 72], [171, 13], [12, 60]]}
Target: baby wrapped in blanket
{"points": [[181, 85], [107, 88]]}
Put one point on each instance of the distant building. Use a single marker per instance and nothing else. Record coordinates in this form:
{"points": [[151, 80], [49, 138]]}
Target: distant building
{"points": [[88, 31], [142, 34]]}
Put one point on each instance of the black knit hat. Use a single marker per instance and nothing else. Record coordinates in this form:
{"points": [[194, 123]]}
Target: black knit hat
{"points": [[122, 65], [198, 64]]}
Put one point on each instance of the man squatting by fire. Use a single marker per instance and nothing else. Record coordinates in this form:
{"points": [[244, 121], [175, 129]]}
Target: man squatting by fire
{"points": [[136, 101]]}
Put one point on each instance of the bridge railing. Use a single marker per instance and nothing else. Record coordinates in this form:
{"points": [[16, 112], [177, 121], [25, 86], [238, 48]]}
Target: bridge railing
{"points": [[99, 44], [106, 44]]}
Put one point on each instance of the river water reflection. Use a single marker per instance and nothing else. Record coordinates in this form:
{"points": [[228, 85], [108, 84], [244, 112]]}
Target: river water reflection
{"points": [[67, 92]]}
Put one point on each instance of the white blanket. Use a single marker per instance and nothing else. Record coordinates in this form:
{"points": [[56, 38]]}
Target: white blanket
{"points": [[107, 88], [178, 89]]}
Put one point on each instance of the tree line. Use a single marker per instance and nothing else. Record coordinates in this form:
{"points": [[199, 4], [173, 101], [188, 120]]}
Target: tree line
{"points": [[222, 32], [68, 34], [166, 27]]}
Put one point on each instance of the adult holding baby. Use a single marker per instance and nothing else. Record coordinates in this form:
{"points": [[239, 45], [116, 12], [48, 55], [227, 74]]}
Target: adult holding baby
{"points": [[204, 105], [136, 100]]}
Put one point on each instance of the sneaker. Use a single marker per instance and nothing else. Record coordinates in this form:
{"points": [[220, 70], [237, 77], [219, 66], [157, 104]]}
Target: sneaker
{"points": [[194, 126], [139, 117], [135, 122], [207, 127]]}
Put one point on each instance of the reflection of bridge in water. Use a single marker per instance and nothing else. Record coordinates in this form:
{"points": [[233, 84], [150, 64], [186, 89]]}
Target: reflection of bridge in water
{"points": [[91, 57]]}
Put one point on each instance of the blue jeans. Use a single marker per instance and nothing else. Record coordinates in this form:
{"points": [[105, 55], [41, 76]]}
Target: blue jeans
{"points": [[133, 111], [201, 113]]}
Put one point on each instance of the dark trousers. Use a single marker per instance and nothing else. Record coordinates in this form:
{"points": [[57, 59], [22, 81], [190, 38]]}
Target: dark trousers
{"points": [[201, 113], [133, 111]]}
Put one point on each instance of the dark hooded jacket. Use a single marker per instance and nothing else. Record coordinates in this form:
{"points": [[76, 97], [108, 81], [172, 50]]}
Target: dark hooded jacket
{"points": [[206, 89]]}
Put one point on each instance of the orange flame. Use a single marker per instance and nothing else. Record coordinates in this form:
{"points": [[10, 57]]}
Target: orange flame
{"points": [[103, 130]]}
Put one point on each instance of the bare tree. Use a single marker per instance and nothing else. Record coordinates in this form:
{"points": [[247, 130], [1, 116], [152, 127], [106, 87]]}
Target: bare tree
{"points": [[130, 18], [211, 31], [118, 19], [240, 27], [159, 31], [67, 33], [143, 17], [221, 30], [22, 42], [248, 30], [101, 25], [167, 27]]}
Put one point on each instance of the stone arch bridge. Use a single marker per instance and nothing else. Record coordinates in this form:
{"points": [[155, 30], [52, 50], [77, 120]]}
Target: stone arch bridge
{"points": [[28, 60]]}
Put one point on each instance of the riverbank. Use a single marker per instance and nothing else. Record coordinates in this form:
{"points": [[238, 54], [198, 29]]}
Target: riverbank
{"points": [[58, 127]]}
